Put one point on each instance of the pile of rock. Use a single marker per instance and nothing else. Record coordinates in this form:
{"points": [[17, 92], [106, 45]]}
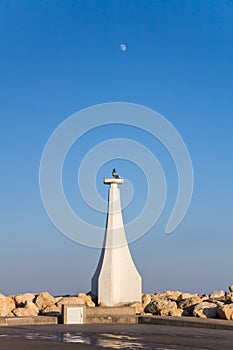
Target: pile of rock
{"points": [[39, 304], [217, 304]]}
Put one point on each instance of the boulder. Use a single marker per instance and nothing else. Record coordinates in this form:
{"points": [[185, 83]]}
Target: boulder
{"points": [[174, 295], [87, 299], [205, 310], [220, 294], [162, 307], [178, 312], [7, 304], [52, 310], [10, 314], [69, 301], [229, 296], [57, 299], [184, 296], [220, 302], [231, 288], [94, 298], [204, 297], [226, 312], [189, 303], [146, 299], [29, 310], [139, 309], [43, 300], [171, 295], [22, 299]]}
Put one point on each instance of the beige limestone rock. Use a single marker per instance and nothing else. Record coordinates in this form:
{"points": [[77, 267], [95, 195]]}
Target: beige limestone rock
{"points": [[90, 303], [229, 296], [84, 297], [52, 310], [204, 297], [217, 294], [43, 300], [220, 302], [184, 296], [71, 300], [226, 311], [231, 288], [189, 303], [87, 299], [10, 314], [177, 312], [22, 299], [29, 310], [205, 310], [57, 299], [139, 309], [172, 295], [162, 307], [7, 304], [146, 299]]}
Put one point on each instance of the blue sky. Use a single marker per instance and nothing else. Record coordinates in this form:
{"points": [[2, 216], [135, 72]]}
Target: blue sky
{"points": [[58, 57]]}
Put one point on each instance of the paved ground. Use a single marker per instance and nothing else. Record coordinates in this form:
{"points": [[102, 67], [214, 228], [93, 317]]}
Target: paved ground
{"points": [[114, 337]]}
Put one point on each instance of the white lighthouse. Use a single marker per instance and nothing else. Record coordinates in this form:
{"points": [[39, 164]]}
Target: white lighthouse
{"points": [[116, 278]]}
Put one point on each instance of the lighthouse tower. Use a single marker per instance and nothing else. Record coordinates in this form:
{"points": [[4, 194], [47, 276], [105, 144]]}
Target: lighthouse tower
{"points": [[116, 278]]}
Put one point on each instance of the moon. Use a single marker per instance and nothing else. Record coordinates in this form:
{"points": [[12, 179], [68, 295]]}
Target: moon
{"points": [[123, 47]]}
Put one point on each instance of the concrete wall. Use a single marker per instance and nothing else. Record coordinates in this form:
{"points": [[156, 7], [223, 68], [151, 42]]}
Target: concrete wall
{"points": [[110, 315]]}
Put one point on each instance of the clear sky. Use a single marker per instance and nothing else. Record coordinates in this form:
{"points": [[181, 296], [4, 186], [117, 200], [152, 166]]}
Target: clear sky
{"points": [[58, 57]]}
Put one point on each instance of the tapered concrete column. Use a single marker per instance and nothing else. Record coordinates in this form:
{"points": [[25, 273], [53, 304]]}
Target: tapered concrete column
{"points": [[116, 278]]}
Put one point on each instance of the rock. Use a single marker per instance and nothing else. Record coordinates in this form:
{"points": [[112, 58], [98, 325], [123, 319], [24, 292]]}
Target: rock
{"points": [[43, 300], [70, 300], [139, 309], [220, 302], [205, 310], [29, 310], [231, 288], [171, 295], [7, 304], [10, 314], [52, 310], [90, 303], [204, 297], [146, 299], [174, 296], [84, 297], [186, 313], [162, 307], [220, 294], [177, 313], [226, 312], [57, 299], [184, 296], [189, 303], [229, 296], [22, 299], [94, 298], [87, 299]]}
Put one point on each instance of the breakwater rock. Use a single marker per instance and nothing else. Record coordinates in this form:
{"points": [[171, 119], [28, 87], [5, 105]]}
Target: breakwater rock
{"points": [[218, 304]]}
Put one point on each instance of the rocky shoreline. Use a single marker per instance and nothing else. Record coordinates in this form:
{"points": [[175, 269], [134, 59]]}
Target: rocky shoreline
{"points": [[218, 304]]}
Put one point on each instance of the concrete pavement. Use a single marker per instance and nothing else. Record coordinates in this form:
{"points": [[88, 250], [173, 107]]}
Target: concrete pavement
{"points": [[109, 336]]}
